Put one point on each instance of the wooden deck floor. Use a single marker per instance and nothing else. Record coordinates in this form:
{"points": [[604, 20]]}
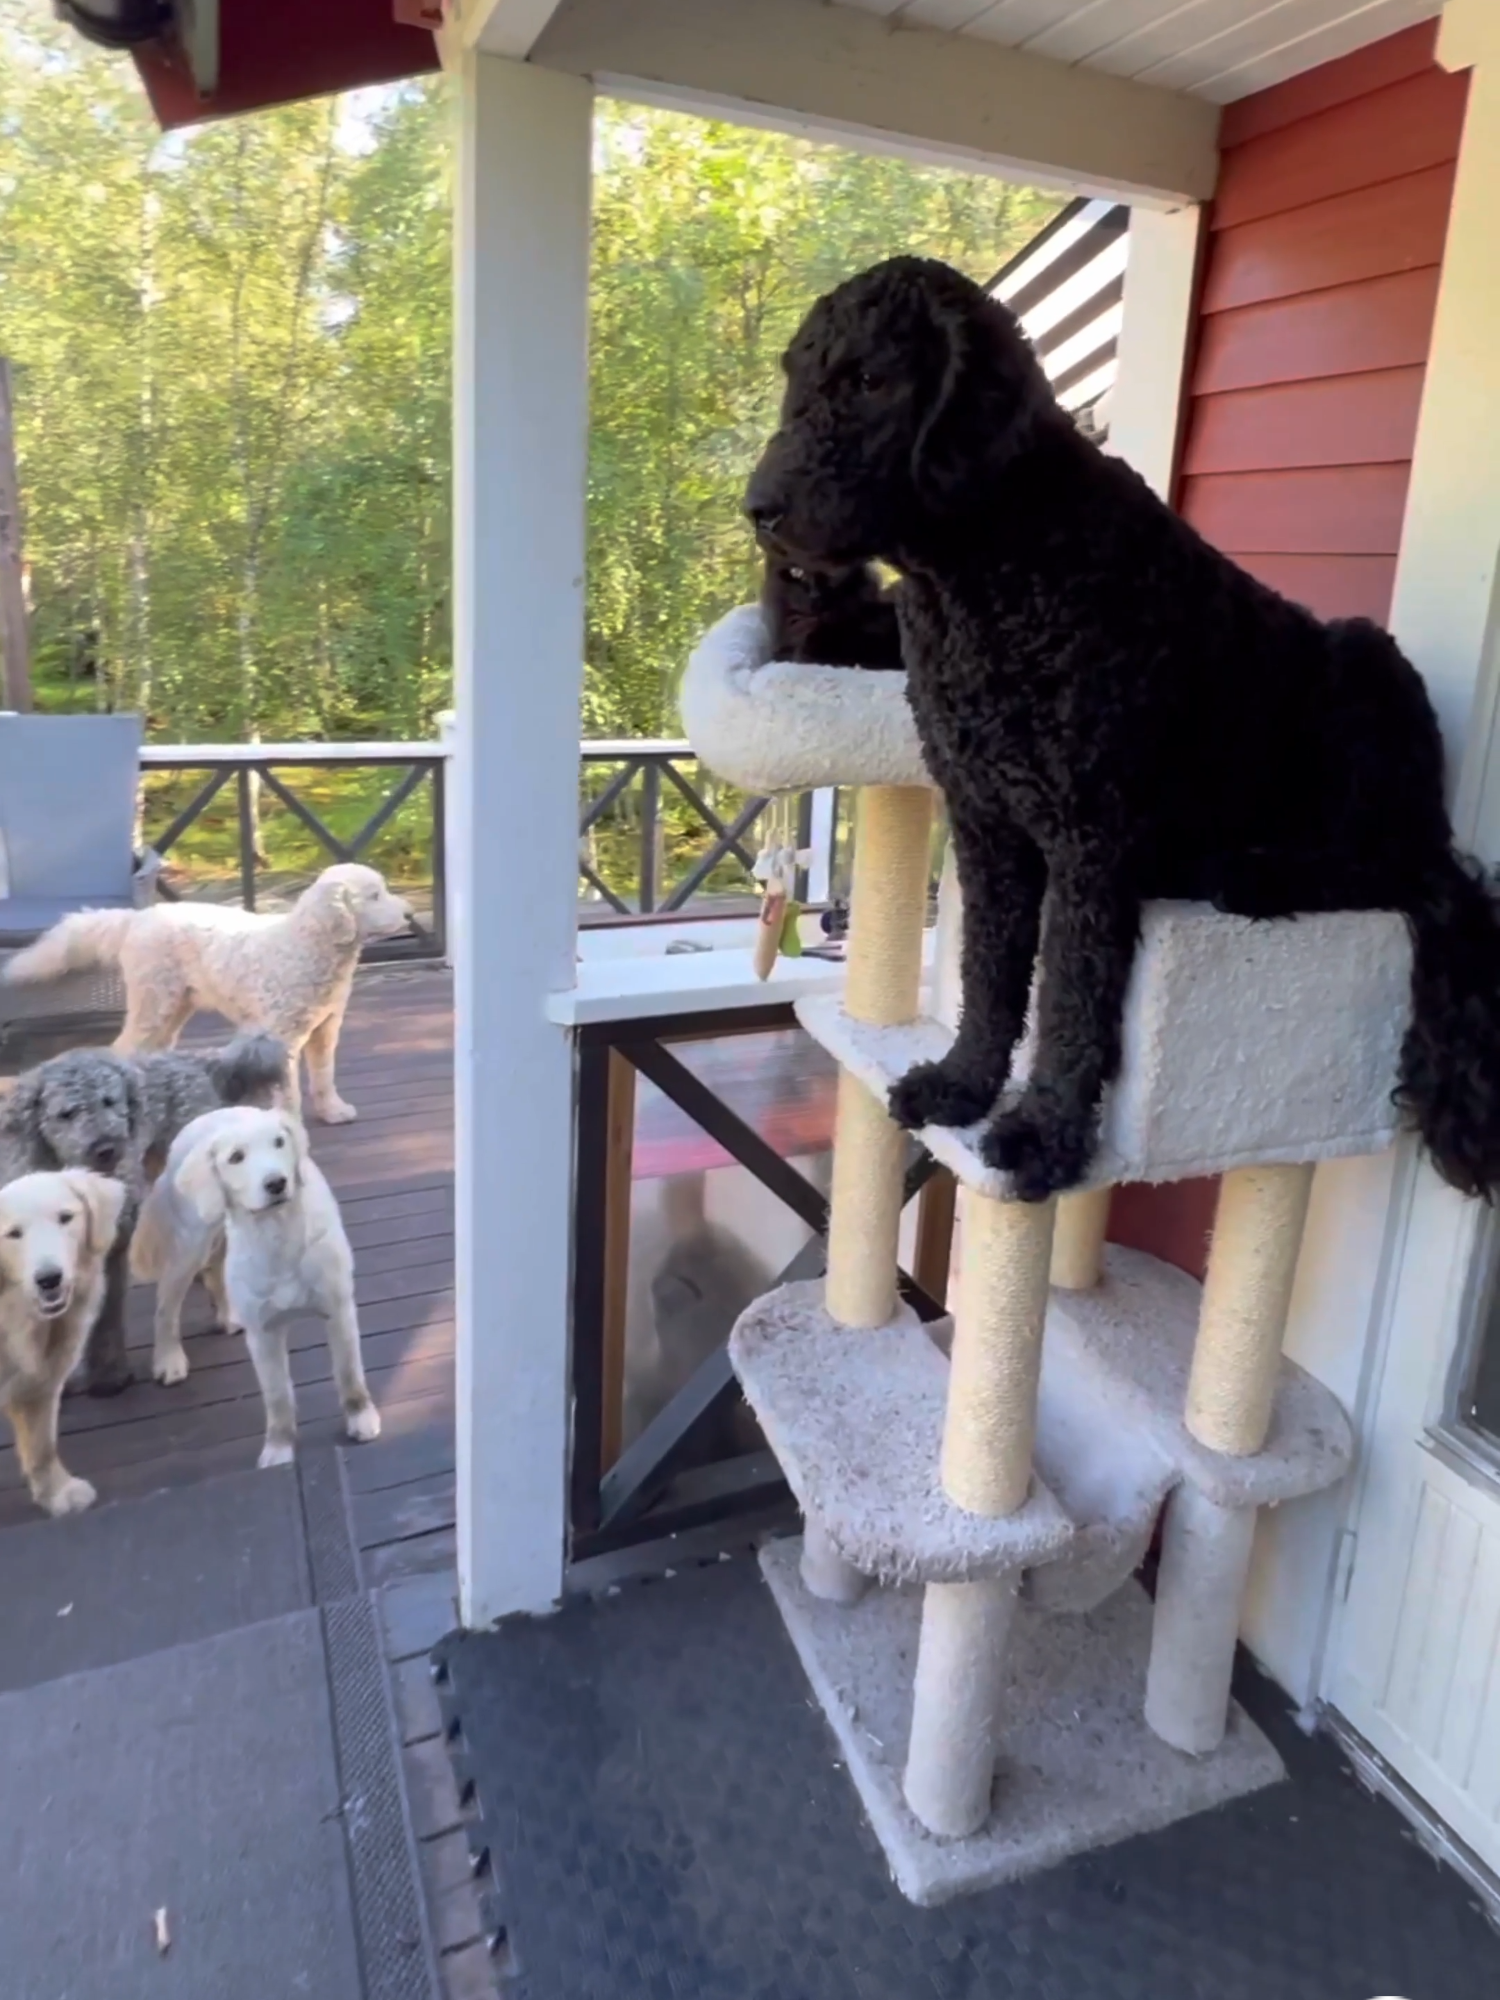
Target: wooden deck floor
{"points": [[393, 1174]]}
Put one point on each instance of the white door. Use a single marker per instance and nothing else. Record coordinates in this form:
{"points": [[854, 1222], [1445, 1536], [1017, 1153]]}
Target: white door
{"points": [[1415, 1658]]}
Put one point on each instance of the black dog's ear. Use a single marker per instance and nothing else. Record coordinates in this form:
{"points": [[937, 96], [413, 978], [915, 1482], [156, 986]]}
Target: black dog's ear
{"points": [[990, 394]]}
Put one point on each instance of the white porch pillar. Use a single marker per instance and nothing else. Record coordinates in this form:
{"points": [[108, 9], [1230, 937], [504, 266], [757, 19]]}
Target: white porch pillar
{"points": [[520, 440], [1146, 403]]}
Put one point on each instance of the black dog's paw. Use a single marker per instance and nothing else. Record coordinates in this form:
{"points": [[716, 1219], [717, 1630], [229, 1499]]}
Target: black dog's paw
{"points": [[1044, 1149], [932, 1094], [111, 1379]]}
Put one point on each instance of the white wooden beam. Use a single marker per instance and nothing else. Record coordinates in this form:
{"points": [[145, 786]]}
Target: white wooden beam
{"points": [[1146, 402], [499, 27], [520, 452], [842, 74]]}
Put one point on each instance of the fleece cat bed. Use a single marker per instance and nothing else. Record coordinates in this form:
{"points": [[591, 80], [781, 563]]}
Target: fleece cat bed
{"points": [[775, 726]]}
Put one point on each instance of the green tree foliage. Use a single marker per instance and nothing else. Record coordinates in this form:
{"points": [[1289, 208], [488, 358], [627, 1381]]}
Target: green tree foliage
{"points": [[710, 243], [231, 351]]}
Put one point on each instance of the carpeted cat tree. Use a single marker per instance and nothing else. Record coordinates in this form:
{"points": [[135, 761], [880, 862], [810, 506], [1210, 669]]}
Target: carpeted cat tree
{"points": [[978, 1495]]}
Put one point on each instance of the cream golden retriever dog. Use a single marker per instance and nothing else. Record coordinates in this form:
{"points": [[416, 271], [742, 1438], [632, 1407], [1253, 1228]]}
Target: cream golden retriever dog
{"points": [[288, 976], [241, 1204], [55, 1232]]}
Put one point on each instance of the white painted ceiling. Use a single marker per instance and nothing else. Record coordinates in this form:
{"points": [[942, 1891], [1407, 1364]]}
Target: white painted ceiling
{"points": [[1219, 49]]}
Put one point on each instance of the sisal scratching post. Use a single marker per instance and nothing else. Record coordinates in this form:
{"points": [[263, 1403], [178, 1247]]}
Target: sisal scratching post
{"points": [[1078, 1239], [888, 906], [864, 1208], [1205, 1559], [1251, 1265], [888, 903], [825, 1573], [956, 1698], [997, 1353]]}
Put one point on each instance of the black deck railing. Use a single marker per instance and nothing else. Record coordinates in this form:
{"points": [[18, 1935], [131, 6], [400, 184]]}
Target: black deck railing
{"points": [[659, 836], [658, 833], [254, 771]]}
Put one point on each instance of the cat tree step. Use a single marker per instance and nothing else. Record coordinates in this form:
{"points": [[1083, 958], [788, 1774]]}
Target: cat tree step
{"points": [[855, 1417], [1245, 1044], [1131, 1340]]}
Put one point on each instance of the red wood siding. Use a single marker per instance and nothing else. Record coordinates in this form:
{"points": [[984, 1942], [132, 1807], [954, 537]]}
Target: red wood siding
{"points": [[1319, 284]]}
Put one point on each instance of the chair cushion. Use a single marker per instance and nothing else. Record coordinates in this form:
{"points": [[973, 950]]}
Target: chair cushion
{"points": [[23, 918]]}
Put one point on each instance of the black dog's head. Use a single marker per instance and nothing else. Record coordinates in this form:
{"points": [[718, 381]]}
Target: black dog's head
{"points": [[908, 391], [832, 617], [79, 1110]]}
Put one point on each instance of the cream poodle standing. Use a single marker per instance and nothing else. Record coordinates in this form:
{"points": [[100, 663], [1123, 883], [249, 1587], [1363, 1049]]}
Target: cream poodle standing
{"points": [[289, 976]]}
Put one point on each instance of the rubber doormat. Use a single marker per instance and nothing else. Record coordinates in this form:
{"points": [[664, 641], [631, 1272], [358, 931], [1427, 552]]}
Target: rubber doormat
{"points": [[661, 1813]]}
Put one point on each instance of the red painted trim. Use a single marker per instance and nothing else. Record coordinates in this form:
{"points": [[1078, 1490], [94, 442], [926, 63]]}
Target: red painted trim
{"points": [[1374, 67], [1342, 420]]}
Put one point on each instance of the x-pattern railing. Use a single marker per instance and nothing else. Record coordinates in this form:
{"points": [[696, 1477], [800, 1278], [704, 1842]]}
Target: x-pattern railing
{"points": [[652, 762], [245, 765]]}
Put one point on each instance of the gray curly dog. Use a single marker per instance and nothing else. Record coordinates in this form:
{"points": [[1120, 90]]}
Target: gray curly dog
{"points": [[116, 1115]]}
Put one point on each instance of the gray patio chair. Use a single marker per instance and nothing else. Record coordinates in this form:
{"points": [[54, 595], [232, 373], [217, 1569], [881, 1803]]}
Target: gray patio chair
{"points": [[68, 788]]}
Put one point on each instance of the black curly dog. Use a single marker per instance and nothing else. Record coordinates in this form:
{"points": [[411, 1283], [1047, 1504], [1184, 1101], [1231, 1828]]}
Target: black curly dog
{"points": [[837, 617], [1115, 712]]}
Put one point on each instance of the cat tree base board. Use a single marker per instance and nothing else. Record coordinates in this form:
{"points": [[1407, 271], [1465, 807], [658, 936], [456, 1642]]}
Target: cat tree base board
{"points": [[1079, 1769]]}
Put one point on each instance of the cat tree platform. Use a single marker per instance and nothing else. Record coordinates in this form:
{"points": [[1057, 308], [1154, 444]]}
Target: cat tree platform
{"points": [[1244, 1044], [855, 1418]]}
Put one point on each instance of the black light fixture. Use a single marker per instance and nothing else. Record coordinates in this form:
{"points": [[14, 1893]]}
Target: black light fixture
{"points": [[117, 24]]}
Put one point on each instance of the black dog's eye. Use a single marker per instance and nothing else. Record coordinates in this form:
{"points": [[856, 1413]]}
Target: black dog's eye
{"points": [[797, 575], [14, 1235], [66, 1216], [279, 1144], [108, 1103], [236, 1158], [869, 382], [66, 1116]]}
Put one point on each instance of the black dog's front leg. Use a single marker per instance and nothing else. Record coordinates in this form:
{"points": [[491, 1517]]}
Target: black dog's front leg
{"points": [[1003, 876], [1047, 1138], [106, 1369]]}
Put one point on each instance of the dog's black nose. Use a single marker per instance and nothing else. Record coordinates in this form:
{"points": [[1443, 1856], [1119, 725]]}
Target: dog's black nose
{"points": [[49, 1279], [275, 1183], [765, 515], [103, 1155]]}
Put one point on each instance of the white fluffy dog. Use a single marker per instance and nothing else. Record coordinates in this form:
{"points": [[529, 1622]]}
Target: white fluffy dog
{"points": [[241, 1203], [288, 976], [55, 1232]]}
